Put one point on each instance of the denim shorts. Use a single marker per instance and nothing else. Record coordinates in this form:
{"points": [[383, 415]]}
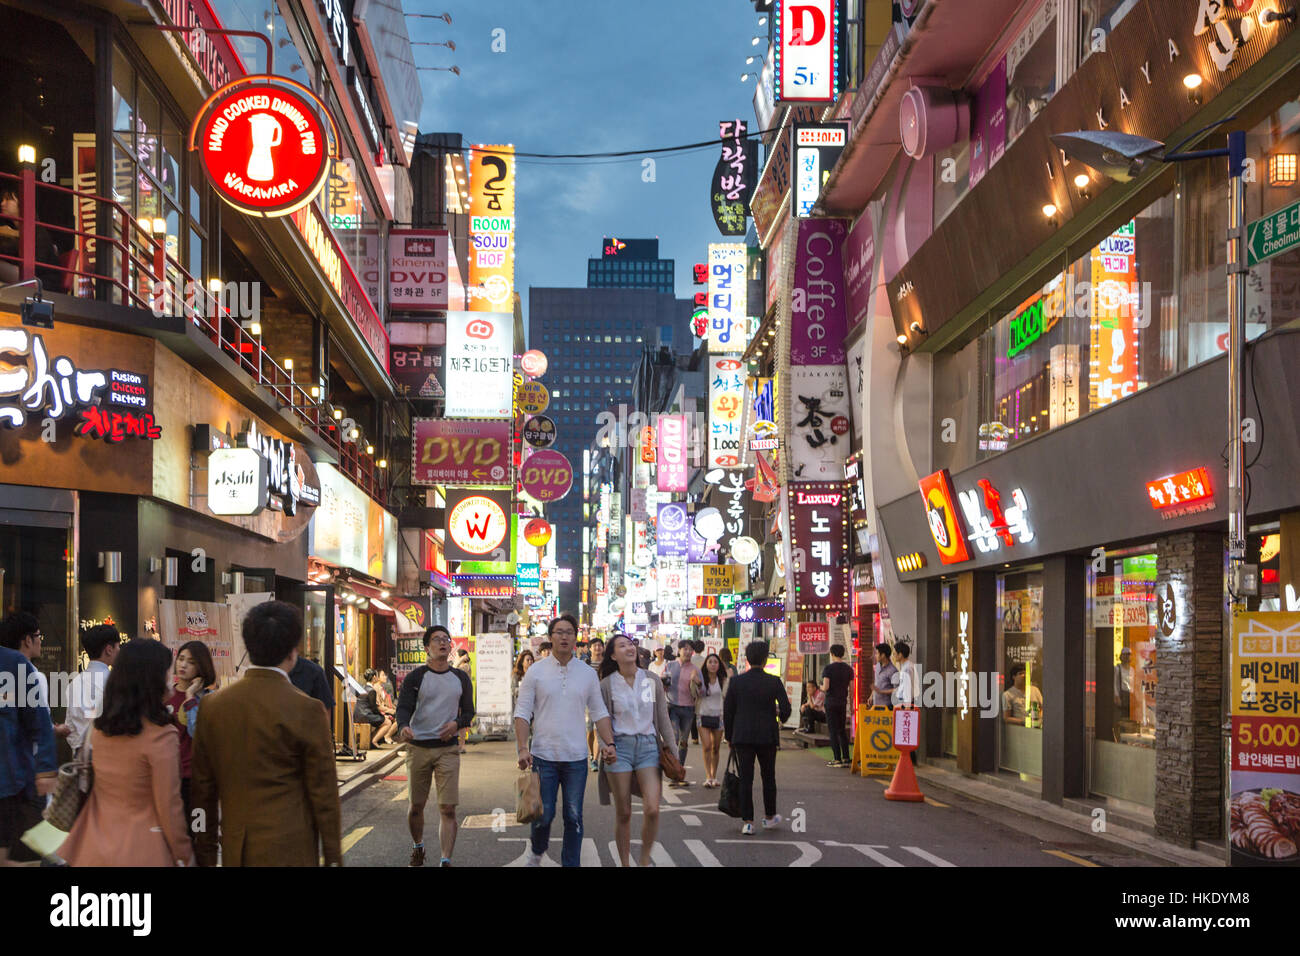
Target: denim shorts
{"points": [[635, 752]]}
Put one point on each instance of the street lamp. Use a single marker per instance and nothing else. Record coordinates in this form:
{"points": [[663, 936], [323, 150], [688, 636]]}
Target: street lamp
{"points": [[450, 44], [444, 69], [445, 17], [1123, 156]]}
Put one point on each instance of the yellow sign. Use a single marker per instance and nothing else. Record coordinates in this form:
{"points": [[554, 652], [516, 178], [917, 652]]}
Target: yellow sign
{"points": [[719, 578], [491, 229], [1265, 668], [534, 398], [873, 746]]}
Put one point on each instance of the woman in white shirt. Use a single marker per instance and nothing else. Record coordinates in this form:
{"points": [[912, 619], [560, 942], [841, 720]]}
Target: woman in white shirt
{"points": [[638, 706]]}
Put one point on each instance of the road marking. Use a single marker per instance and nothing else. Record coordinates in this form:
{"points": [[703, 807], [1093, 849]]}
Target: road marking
{"points": [[657, 853], [691, 820], [870, 851], [1071, 857], [671, 796], [929, 857], [488, 821], [522, 859], [935, 803], [353, 838], [702, 853], [808, 854], [402, 794]]}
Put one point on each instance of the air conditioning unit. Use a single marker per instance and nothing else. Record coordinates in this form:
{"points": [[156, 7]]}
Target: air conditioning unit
{"points": [[932, 118]]}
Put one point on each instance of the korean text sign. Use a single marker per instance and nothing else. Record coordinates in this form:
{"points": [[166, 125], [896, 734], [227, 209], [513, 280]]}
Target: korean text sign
{"points": [[480, 382], [818, 314], [818, 547], [726, 398], [728, 300]]}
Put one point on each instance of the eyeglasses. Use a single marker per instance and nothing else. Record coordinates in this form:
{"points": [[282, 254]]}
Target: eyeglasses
{"points": [[564, 631], [440, 639]]}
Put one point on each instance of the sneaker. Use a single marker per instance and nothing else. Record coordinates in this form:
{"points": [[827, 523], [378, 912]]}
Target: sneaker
{"points": [[445, 862], [534, 859], [677, 784], [774, 822], [417, 856], [833, 763], [747, 830]]}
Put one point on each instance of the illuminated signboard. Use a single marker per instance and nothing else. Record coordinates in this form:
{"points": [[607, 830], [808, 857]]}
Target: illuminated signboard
{"points": [[807, 51], [727, 300], [817, 149], [265, 144], [726, 395], [460, 451], [477, 523], [1184, 493], [479, 359], [492, 229], [942, 516]]}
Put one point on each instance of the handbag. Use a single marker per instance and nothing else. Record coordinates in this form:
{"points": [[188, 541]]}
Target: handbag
{"points": [[729, 796], [669, 764], [528, 797], [71, 791]]}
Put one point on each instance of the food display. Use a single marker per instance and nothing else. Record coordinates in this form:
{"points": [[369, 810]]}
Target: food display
{"points": [[1266, 823]]}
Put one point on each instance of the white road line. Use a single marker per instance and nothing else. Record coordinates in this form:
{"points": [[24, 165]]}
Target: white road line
{"points": [[590, 855], [929, 857], [870, 851], [522, 859], [808, 854], [657, 853], [671, 796], [702, 853], [691, 820]]}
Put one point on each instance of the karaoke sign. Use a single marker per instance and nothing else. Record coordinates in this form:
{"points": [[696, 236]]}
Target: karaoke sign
{"points": [[265, 142]]}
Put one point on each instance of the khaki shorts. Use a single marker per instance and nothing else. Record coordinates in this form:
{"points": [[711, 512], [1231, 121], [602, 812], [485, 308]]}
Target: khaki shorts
{"points": [[423, 764]]}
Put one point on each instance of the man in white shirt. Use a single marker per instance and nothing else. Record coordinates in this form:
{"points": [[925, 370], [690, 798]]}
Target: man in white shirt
{"points": [[555, 697], [86, 693]]}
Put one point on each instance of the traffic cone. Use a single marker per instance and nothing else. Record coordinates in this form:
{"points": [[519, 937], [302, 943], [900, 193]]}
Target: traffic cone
{"points": [[904, 785]]}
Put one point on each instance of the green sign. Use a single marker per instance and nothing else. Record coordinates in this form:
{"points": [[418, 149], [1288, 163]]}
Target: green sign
{"points": [[1274, 234], [1026, 328]]}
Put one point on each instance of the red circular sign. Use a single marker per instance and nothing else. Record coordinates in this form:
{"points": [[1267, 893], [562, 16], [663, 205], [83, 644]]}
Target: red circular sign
{"points": [[537, 532], [839, 424], [534, 363], [265, 145], [547, 476]]}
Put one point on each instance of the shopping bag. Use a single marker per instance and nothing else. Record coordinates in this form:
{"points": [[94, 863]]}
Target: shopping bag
{"points": [[75, 780], [528, 797], [729, 796]]}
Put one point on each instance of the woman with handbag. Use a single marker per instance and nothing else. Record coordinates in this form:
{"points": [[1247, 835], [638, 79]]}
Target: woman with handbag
{"points": [[134, 815], [638, 705], [708, 707]]}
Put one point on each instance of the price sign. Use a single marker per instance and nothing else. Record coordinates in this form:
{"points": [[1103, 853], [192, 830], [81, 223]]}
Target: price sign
{"points": [[907, 728]]}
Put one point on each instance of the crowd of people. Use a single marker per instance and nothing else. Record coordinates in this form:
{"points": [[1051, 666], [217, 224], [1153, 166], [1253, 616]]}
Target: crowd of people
{"points": [[186, 774]]}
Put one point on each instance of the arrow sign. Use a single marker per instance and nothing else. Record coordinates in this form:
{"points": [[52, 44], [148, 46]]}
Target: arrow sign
{"points": [[1273, 235]]}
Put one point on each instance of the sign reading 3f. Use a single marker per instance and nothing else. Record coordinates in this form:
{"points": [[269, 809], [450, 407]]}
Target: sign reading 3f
{"points": [[807, 51]]}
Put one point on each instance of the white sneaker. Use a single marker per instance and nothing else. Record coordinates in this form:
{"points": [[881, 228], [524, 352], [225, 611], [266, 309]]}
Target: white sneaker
{"points": [[747, 830], [773, 823], [534, 859]]}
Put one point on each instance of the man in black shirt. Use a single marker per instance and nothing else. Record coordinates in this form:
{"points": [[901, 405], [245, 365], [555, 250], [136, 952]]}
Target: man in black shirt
{"points": [[837, 678]]}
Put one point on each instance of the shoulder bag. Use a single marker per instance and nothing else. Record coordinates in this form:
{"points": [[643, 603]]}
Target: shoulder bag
{"points": [[71, 791], [729, 795]]}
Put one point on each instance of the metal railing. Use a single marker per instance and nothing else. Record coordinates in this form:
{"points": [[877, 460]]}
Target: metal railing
{"points": [[138, 271]]}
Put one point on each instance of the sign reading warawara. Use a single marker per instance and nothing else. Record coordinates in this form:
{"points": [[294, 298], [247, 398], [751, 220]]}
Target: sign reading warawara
{"points": [[547, 476], [477, 523], [462, 452], [491, 228], [265, 142]]}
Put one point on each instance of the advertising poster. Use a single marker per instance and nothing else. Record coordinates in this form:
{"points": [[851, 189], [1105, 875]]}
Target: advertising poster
{"points": [[819, 422], [856, 362], [240, 605], [818, 322], [491, 285], [988, 123], [461, 451], [1264, 802], [671, 470], [819, 578], [859, 266], [182, 621], [417, 370], [417, 270], [480, 365], [728, 318], [726, 397], [492, 676], [1115, 305]]}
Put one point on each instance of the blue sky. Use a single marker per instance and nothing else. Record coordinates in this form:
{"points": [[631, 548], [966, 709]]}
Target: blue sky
{"points": [[581, 76]]}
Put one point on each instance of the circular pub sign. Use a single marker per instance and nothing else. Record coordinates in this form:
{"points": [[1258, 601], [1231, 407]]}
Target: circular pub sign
{"points": [[547, 476], [539, 431], [534, 398], [265, 144], [478, 524], [534, 363], [537, 532]]}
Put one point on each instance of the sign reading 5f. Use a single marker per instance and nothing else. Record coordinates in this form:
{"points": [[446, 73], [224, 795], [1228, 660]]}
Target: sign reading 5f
{"points": [[807, 51]]}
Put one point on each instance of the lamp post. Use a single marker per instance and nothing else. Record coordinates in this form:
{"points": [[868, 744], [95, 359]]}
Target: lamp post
{"points": [[1122, 157]]}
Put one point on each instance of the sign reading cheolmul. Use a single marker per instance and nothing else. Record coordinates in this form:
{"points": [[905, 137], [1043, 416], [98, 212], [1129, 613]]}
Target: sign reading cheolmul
{"points": [[265, 142]]}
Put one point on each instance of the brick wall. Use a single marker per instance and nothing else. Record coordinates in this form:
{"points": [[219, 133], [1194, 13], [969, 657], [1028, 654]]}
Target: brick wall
{"points": [[1189, 760]]}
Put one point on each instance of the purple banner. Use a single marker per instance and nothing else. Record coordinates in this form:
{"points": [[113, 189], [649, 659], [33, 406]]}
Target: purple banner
{"points": [[700, 551], [859, 263], [817, 315], [673, 529], [989, 123]]}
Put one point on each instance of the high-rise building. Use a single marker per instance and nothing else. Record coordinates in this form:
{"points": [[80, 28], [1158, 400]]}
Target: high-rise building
{"points": [[594, 339], [630, 264]]}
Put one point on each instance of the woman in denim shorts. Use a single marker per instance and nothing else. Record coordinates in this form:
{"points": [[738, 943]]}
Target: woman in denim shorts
{"points": [[638, 705]]}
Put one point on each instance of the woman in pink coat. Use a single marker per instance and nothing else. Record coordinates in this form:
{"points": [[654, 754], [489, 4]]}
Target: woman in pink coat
{"points": [[134, 815]]}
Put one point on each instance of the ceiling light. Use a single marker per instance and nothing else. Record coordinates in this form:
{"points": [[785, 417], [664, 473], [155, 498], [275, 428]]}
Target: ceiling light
{"points": [[1049, 210], [288, 365], [1081, 181], [1282, 168], [1192, 81], [902, 339], [338, 413]]}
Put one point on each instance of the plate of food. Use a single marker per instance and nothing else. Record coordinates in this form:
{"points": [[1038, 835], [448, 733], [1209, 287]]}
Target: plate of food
{"points": [[1264, 825]]}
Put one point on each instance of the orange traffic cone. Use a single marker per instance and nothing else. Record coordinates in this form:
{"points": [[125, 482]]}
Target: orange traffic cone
{"points": [[904, 785]]}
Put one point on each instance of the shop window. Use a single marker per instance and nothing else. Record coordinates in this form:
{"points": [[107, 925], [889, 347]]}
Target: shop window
{"points": [[1031, 69], [1020, 653], [1096, 19]]}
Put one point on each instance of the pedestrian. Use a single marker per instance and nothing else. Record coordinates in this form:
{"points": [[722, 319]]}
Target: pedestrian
{"points": [[193, 677], [681, 680], [135, 815], [657, 665], [698, 647], [643, 658], [755, 707], [370, 710], [727, 662], [436, 703], [638, 708], [263, 754], [465, 665], [555, 697], [713, 687], [837, 678], [906, 687], [21, 632], [813, 708], [524, 661], [543, 650], [310, 678], [28, 761], [597, 657], [86, 693], [882, 687]]}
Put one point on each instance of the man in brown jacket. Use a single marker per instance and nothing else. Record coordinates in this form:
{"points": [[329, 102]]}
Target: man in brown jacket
{"points": [[263, 751]]}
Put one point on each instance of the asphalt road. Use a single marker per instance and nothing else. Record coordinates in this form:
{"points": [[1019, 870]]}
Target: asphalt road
{"points": [[832, 819]]}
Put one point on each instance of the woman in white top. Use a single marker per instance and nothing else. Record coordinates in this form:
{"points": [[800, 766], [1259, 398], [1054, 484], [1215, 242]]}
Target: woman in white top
{"points": [[712, 684], [638, 706]]}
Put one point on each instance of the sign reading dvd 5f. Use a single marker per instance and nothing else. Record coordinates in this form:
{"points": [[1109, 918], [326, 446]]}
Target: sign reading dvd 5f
{"points": [[266, 144], [807, 51]]}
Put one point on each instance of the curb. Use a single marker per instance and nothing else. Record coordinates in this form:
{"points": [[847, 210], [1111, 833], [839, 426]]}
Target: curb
{"points": [[373, 771]]}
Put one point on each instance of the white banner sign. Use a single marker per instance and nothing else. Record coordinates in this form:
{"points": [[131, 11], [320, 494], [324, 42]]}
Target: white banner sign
{"points": [[728, 320], [480, 357], [819, 422], [492, 670]]}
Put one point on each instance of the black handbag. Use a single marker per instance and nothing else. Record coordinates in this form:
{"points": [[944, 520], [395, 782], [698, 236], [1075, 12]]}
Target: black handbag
{"points": [[729, 795]]}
